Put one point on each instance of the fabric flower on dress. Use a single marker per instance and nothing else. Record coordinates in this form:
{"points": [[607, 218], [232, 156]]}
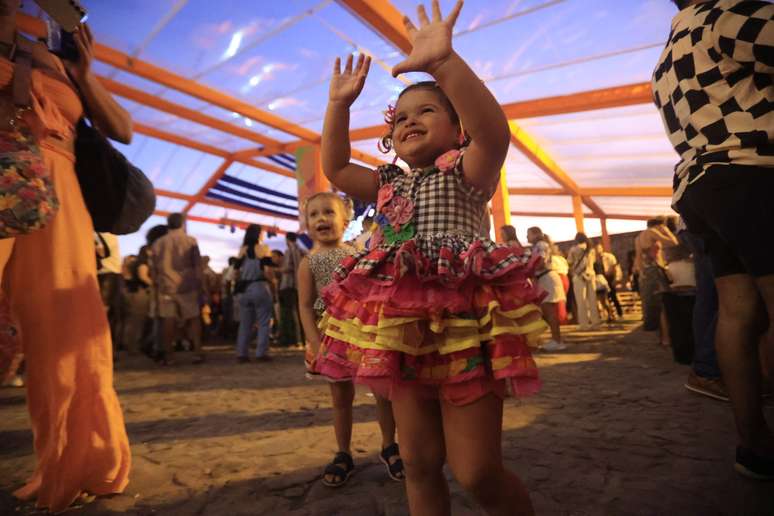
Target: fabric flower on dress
{"points": [[392, 236], [446, 161], [385, 195], [399, 211]]}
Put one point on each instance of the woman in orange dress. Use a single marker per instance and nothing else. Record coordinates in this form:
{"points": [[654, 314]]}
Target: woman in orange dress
{"points": [[50, 277]]}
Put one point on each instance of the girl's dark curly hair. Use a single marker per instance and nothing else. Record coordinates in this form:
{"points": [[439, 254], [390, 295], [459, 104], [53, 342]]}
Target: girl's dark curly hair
{"points": [[385, 144]]}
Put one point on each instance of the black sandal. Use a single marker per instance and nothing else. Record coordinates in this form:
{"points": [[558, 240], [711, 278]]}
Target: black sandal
{"points": [[395, 468], [340, 468]]}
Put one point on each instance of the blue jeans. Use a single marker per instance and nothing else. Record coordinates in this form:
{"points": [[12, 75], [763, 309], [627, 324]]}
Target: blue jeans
{"points": [[255, 306], [705, 311]]}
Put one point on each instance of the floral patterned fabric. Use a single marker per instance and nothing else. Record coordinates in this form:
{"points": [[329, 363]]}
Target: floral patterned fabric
{"points": [[27, 196]]}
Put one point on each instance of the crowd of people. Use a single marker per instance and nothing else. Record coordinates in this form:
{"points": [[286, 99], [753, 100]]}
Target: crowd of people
{"points": [[424, 309], [167, 297]]}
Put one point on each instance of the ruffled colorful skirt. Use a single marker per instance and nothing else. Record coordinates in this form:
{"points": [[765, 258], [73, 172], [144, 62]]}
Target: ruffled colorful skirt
{"points": [[446, 315]]}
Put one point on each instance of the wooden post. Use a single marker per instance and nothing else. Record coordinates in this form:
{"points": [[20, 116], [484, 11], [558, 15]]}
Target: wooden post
{"points": [[605, 235], [311, 179], [501, 206], [577, 212]]}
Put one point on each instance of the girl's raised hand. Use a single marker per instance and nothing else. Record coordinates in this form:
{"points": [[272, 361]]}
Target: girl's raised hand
{"points": [[346, 85], [431, 42]]}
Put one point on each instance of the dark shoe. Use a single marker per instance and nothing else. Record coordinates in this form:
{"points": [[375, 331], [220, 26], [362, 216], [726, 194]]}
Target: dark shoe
{"points": [[390, 457], [243, 360], [339, 470], [753, 466], [710, 387], [264, 358]]}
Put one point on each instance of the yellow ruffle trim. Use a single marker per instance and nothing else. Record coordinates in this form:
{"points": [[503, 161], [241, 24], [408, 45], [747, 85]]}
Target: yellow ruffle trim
{"points": [[446, 335]]}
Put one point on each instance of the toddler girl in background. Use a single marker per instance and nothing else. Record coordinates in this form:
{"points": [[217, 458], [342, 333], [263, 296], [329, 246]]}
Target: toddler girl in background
{"points": [[327, 216]]}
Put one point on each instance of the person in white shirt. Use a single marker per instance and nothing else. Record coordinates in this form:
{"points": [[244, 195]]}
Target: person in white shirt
{"points": [[613, 274], [581, 259], [551, 283], [110, 283], [681, 269]]}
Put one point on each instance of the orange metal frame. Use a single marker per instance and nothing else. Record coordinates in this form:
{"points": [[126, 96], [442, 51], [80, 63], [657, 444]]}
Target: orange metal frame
{"points": [[564, 215], [238, 223], [386, 20], [214, 202], [622, 191], [620, 96], [530, 148]]}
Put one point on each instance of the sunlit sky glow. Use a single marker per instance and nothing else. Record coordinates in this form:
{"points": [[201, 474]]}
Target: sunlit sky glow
{"points": [[278, 56]]}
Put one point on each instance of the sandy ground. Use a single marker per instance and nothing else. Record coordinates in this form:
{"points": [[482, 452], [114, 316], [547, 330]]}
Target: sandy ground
{"points": [[613, 432]]}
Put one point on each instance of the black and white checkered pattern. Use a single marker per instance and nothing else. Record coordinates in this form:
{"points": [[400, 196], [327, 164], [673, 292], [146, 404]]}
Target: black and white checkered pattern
{"points": [[448, 214], [443, 202], [714, 87]]}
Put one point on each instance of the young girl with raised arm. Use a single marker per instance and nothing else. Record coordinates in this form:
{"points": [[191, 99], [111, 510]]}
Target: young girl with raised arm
{"points": [[434, 315]]}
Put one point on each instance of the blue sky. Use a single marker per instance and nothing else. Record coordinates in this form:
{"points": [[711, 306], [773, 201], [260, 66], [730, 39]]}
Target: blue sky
{"points": [[278, 56]]}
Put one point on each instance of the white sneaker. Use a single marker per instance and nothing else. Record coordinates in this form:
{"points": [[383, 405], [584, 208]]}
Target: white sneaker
{"points": [[552, 345]]}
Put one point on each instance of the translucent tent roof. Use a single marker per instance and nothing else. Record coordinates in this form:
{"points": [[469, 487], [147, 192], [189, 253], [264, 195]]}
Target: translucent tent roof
{"points": [[186, 69]]}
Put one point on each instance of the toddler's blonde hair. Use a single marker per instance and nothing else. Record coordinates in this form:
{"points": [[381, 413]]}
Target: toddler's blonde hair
{"points": [[346, 205]]}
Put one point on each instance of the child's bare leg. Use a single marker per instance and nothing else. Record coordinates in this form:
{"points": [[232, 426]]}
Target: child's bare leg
{"points": [[551, 316], [386, 420], [343, 394], [423, 453], [473, 443]]}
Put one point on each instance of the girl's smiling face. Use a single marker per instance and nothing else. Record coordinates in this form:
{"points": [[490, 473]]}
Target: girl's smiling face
{"points": [[326, 219], [423, 128]]}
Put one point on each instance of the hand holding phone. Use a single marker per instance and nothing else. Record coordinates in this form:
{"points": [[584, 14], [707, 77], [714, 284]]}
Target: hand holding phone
{"points": [[66, 17], [60, 42], [79, 64]]}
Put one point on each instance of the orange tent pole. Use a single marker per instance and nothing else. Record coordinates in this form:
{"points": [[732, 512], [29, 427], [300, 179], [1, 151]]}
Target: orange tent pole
{"points": [[554, 214], [618, 96], [577, 212], [605, 235]]}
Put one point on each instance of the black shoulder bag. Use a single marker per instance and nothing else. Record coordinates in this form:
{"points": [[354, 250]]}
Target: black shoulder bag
{"points": [[118, 195]]}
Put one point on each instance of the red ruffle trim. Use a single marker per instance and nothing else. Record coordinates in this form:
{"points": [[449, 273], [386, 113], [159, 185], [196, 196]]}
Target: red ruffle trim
{"points": [[460, 377], [450, 285]]}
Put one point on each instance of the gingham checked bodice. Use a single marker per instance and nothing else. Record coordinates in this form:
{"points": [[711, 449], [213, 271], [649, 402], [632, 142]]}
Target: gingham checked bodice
{"points": [[450, 237], [443, 203]]}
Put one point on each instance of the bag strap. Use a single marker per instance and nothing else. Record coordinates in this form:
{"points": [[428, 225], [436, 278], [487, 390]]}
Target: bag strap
{"points": [[583, 257], [21, 55]]}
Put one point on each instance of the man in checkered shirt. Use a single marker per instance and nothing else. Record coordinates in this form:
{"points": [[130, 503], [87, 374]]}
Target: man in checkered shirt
{"points": [[714, 87]]}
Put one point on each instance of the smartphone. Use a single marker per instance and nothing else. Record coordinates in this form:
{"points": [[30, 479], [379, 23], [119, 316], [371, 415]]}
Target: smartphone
{"points": [[61, 42], [68, 14]]}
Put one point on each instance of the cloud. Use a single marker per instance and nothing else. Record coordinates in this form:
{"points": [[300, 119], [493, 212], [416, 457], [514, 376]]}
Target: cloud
{"points": [[208, 36], [476, 21], [285, 102], [247, 66], [267, 72], [308, 53]]}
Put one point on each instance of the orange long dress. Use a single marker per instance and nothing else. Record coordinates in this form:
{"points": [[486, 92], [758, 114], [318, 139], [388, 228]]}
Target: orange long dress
{"points": [[50, 276]]}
